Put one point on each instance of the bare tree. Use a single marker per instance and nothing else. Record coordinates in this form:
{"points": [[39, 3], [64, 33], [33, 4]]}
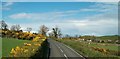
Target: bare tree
{"points": [[51, 34], [57, 32], [13, 28], [76, 36], [43, 30], [67, 36], [3, 24], [18, 27], [29, 29]]}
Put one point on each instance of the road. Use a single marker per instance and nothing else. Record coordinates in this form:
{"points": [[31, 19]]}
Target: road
{"points": [[61, 51]]}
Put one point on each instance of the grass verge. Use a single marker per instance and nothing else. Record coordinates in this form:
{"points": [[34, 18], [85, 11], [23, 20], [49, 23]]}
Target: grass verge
{"points": [[9, 43], [85, 49]]}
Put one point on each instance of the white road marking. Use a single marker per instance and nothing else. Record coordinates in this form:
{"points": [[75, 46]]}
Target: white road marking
{"points": [[70, 49], [65, 56], [73, 50], [58, 47], [61, 50]]}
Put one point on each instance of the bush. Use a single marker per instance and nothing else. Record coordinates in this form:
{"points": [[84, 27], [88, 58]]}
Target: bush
{"points": [[28, 49]]}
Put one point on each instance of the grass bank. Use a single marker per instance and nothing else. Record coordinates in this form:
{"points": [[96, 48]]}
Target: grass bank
{"points": [[86, 49], [9, 43]]}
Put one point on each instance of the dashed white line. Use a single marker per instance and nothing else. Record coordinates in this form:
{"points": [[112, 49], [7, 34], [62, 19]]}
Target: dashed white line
{"points": [[65, 56], [61, 50], [73, 50], [58, 47]]}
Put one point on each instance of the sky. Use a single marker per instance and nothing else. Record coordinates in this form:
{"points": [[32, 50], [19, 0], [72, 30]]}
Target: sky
{"points": [[61, 0], [73, 18]]}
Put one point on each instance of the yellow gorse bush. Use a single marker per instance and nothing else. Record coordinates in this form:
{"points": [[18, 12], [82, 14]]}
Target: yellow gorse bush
{"points": [[27, 44], [36, 39], [24, 51], [16, 51], [100, 49], [22, 35], [33, 47], [17, 48], [12, 51], [38, 44], [27, 48]]}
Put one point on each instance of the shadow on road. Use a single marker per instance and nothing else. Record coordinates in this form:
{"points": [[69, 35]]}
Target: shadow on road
{"points": [[43, 52]]}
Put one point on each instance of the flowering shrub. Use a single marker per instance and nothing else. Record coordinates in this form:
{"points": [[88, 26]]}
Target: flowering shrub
{"points": [[16, 51], [27, 49], [27, 44], [105, 51], [21, 35], [36, 39], [38, 44]]}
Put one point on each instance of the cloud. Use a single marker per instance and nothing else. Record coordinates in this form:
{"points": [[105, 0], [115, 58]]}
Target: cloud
{"points": [[102, 7], [98, 7], [34, 26], [60, 0], [20, 16], [6, 5], [105, 23], [99, 0], [77, 26], [99, 27], [39, 16], [100, 24]]}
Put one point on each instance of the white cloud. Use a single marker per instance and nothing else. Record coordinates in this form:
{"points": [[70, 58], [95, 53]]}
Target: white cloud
{"points": [[99, 0], [103, 24], [98, 7], [20, 16], [6, 6], [76, 26], [38, 16], [102, 7], [98, 24], [60, 0]]}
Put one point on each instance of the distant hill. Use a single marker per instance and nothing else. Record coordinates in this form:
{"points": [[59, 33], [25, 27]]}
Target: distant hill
{"points": [[112, 37], [108, 37]]}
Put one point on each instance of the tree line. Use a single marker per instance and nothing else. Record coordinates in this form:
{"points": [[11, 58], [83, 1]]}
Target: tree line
{"points": [[56, 32]]}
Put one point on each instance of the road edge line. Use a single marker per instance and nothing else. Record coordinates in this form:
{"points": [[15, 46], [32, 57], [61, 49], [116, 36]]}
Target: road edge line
{"points": [[74, 51]]}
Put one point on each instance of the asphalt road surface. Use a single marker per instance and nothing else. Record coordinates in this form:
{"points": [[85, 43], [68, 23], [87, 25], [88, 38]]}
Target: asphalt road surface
{"points": [[61, 51]]}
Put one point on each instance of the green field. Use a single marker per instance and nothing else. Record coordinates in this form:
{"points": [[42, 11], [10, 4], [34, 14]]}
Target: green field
{"points": [[104, 45], [85, 49], [9, 43]]}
